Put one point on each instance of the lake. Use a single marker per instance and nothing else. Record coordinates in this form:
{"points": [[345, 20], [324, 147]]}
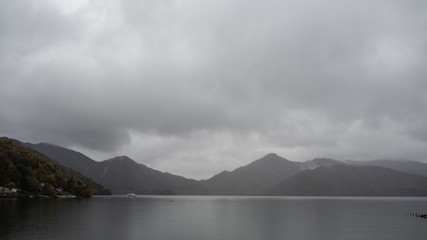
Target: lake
{"points": [[213, 217]]}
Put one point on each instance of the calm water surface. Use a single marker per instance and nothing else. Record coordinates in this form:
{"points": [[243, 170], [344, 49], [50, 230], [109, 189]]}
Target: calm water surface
{"points": [[207, 217]]}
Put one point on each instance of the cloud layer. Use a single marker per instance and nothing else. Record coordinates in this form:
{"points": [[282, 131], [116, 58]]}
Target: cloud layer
{"points": [[195, 87]]}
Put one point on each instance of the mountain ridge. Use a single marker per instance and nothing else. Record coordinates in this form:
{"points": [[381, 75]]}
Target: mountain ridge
{"points": [[122, 174], [252, 178], [347, 180]]}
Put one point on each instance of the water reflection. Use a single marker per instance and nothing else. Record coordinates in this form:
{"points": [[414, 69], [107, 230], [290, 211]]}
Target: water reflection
{"points": [[212, 218]]}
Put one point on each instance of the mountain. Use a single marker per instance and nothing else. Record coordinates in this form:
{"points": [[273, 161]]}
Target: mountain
{"points": [[407, 166], [32, 172], [68, 158], [348, 180], [271, 174], [253, 178], [262, 174], [122, 174]]}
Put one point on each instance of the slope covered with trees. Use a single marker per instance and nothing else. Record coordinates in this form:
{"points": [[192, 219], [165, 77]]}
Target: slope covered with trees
{"points": [[34, 173]]}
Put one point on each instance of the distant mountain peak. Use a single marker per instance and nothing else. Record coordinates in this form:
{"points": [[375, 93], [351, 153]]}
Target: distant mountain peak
{"points": [[271, 155], [254, 177], [47, 144], [121, 159], [270, 159]]}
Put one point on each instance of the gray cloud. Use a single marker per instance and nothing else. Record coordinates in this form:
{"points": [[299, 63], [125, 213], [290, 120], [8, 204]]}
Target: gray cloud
{"points": [[193, 87]]}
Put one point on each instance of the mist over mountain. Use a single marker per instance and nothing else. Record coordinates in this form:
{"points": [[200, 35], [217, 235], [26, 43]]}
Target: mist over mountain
{"points": [[269, 175], [318, 162]]}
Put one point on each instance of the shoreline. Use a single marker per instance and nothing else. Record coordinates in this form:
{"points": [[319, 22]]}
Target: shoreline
{"points": [[14, 196]]}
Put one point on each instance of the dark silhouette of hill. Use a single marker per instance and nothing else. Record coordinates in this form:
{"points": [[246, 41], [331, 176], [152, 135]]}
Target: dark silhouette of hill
{"points": [[270, 174], [122, 174], [348, 180], [407, 166], [253, 178]]}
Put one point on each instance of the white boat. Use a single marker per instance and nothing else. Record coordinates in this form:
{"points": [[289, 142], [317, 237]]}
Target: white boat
{"points": [[131, 195]]}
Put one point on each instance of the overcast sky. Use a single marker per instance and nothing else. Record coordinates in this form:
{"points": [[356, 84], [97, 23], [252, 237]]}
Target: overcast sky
{"points": [[194, 87]]}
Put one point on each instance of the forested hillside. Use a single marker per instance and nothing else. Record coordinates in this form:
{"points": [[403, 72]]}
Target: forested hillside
{"points": [[34, 173]]}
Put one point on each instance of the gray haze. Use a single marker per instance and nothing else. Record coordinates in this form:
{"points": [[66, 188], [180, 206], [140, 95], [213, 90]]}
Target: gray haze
{"points": [[194, 87]]}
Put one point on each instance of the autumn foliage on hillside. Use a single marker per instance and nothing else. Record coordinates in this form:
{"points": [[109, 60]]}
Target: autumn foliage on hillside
{"points": [[33, 173]]}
